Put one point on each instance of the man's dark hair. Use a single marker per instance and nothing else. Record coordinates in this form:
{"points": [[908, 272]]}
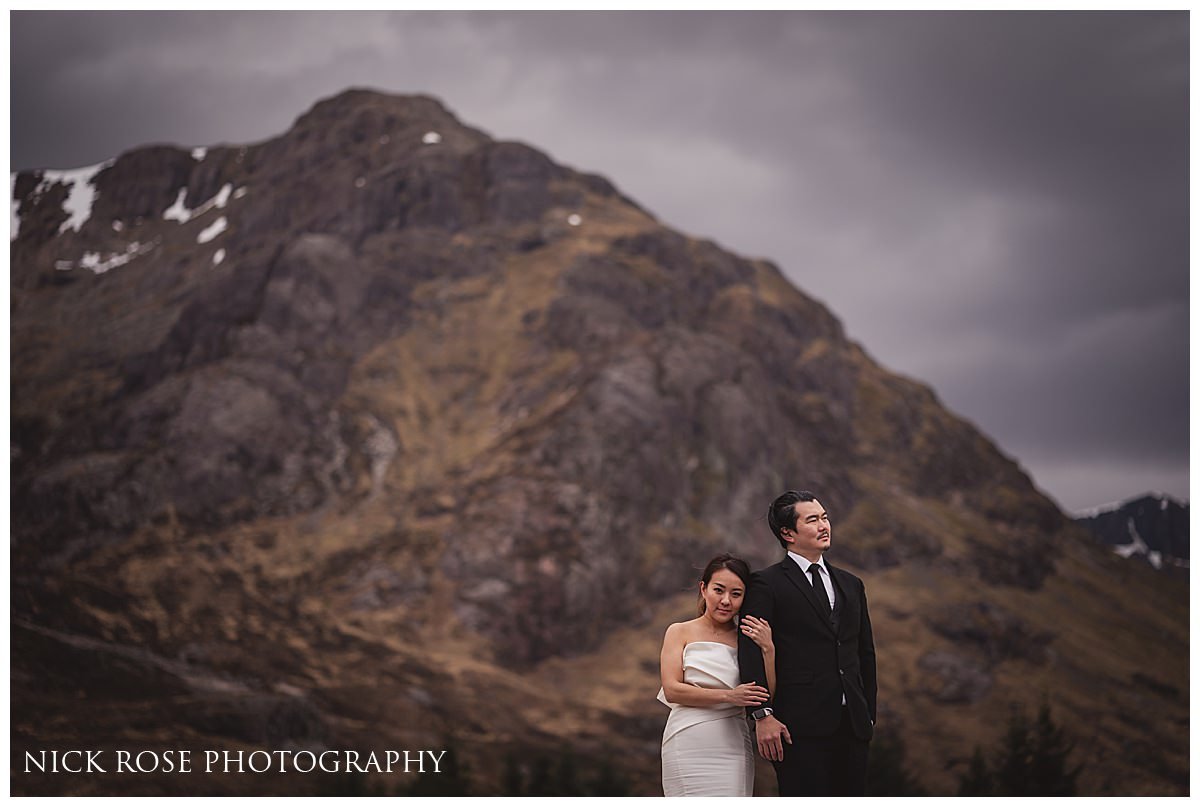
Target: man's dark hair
{"points": [[782, 513]]}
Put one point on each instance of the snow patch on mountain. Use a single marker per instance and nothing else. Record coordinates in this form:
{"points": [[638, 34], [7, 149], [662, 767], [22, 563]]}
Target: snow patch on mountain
{"points": [[81, 194], [179, 211], [1137, 546], [101, 264], [1164, 501], [212, 231]]}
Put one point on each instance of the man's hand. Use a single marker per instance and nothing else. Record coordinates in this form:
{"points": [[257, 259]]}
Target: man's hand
{"points": [[770, 734]]}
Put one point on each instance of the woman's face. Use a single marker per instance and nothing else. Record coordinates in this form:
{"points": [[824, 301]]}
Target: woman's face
{"points": [[723, 595]]}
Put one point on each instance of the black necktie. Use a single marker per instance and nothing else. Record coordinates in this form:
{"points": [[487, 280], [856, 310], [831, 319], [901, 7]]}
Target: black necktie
{"points": [[819, 588]]}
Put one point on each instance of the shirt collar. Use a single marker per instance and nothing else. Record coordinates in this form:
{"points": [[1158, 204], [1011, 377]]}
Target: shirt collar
{"points": [[804, 562]]}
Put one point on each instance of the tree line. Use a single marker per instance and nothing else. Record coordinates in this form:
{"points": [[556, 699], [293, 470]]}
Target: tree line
{"points": [[1031, 758]]}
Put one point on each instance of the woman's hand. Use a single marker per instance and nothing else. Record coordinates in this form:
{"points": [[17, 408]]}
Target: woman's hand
{"points": [[759, 631], [748, 695]]}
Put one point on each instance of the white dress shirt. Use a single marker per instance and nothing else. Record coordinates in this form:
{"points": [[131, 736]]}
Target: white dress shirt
{"points": [[804, 563]]}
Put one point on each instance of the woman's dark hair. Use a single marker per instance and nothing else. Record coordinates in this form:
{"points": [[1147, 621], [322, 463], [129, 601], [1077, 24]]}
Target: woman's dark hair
{"points": [[725, 561]]}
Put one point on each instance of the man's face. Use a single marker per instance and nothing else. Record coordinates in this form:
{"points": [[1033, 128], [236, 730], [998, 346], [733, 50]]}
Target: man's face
{"points": [[811, 537]]}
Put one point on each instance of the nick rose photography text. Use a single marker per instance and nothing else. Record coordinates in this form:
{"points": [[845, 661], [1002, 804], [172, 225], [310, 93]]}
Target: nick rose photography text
{"points": [[259, 761]]}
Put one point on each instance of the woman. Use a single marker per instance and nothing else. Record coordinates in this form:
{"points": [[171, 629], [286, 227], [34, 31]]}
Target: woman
{"points": [[707, 748]]}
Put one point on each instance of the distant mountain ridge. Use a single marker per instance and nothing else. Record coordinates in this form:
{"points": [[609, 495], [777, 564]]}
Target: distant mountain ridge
{"points": [[1153, 527], [382, 431]]}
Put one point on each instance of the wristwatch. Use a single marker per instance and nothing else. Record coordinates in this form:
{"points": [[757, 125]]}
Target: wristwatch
{"points": [[759, 714]]}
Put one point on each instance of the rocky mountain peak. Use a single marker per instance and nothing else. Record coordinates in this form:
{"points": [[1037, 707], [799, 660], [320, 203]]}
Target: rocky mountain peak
{"points": [[357, 420], [1152, 527], [357, 104]]}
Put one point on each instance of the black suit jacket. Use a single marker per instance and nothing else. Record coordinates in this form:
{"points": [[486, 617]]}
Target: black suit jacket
{"points": [[818, 656]]}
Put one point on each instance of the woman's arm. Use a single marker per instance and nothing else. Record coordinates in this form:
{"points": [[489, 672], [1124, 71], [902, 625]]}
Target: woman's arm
{"points": [[676, 690]]}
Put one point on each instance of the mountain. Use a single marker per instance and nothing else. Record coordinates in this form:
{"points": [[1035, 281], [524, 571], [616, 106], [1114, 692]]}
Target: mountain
{"points": [[384, 434], [1153, 528]]}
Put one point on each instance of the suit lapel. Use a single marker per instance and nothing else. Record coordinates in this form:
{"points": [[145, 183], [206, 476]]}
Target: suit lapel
{"points": [[801, 581], [840, 588], [839, 591]]}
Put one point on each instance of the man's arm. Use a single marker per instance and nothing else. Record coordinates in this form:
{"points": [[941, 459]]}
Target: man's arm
{"points": [[759, 603], [769, 733], [866, 656]]}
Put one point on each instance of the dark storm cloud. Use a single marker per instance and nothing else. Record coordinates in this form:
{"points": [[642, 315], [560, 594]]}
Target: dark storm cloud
{"points": [[1089, 112], [89, 85], [995, 203]]}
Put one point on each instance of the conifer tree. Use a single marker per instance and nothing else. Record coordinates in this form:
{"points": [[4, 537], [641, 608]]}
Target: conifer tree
{"points": [[609, 781], [888, 773], [1030, 760], [977, 781], [514, 779], [1049, 772], [1015, 758], [566, 776]]}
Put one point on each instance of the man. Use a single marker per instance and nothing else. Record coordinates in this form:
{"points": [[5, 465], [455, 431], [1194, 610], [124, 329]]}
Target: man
{"points": [[817, 726]]}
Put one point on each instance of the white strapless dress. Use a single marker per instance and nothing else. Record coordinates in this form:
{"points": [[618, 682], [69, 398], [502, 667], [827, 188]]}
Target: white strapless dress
{"points": [[707, 750]]}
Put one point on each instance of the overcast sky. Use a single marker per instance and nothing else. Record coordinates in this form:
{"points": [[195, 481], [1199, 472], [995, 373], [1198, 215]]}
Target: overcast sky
{"points": [[995, 204]]}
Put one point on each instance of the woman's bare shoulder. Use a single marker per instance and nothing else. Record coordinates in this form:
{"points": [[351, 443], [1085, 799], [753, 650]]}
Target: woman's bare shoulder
{"points": [[681, 630]]}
